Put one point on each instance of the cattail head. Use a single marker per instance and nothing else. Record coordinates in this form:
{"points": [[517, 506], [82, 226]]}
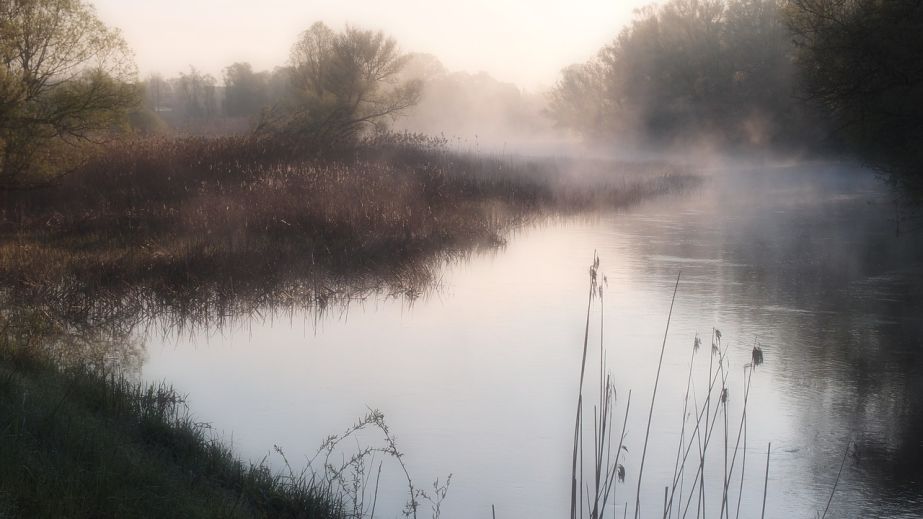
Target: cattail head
{"points": [[757, 355]]}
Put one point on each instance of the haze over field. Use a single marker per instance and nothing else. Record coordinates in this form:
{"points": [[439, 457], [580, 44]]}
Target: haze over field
{"points": [[519, 41]]}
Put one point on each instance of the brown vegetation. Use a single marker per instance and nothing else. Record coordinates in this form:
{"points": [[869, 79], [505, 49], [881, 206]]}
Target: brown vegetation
{"points": [[201, 228]]}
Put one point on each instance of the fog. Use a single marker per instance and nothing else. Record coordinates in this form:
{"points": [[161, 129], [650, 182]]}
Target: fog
{"points": [[299, 211], [518, 41], [605, 78]]}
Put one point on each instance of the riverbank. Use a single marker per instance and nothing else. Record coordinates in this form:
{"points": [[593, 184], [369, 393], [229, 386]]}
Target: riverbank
{"points": [[194, 208], [202, 228], [198, 230], [77, 443]]}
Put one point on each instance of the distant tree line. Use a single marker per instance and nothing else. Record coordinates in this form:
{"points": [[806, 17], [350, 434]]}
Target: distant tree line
{"points": [[196, 101], [841, 74], [322, 93], [689, 70], [68, 84], [787, 73], [335, 86]]}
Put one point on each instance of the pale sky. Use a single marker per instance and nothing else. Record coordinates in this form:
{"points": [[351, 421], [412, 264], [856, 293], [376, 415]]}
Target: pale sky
{"points": [[522, 41]]}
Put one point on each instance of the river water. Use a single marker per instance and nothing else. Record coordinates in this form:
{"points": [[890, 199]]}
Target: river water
{"points": [[478, 375]]}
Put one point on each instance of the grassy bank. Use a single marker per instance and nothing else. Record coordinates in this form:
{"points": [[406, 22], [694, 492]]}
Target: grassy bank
{"points": [[81, 443]]}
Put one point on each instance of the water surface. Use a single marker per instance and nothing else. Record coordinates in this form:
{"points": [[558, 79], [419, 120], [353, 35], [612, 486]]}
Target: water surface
{"points": [[478, 375]]}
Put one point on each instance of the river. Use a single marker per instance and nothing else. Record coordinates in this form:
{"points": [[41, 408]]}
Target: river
{"points": [[477, 375]]}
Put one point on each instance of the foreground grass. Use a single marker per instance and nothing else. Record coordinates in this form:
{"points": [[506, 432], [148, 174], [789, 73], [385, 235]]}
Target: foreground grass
{"points": [[78, 443]]}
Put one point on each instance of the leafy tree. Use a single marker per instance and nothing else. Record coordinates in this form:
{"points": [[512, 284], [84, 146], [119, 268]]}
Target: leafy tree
{"points": [[579, 101], [65, 80], [342, 84], [686, 69], [279, 85], [246, 92], [861, 61]]}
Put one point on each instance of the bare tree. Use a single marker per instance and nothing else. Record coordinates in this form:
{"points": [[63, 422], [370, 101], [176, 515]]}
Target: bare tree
{"points": [[196, 93]]}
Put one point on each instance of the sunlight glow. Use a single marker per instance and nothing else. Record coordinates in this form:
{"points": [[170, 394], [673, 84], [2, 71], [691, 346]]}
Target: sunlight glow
{"points": [[519, 41]]}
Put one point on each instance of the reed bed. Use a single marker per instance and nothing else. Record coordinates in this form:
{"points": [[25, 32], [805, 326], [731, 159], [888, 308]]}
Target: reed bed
{"points": [[201, 229], [384, 200], [709, 435], [195, 231]]}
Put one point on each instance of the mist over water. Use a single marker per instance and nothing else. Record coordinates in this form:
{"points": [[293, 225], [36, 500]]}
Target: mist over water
{"points": [[301, 214], [477, 376]]}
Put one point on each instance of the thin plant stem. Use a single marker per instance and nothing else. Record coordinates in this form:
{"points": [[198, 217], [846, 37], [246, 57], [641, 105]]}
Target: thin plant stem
{"points": [[578, 444], [682, 432], [766, 481], [650, 414], [743, 425], [837, 480]]}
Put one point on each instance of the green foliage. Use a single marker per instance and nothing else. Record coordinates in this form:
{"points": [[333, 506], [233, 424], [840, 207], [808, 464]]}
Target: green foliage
{"points": [[84, 442], [64, 81], [341, 85], [146, 122]]}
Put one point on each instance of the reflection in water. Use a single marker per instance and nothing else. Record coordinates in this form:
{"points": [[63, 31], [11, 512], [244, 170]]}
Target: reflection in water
{"points": [[70, 343], [815, 266], [477, 376], [89, 320]]}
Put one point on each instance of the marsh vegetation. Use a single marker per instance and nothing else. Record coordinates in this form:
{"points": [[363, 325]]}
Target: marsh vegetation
{"points": [[182, 229]]}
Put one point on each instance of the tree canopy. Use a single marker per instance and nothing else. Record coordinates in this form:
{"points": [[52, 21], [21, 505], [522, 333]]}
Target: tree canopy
{"points": [[246, 92], [861, 61], [684, 70], [65, 79], [342, 84]]}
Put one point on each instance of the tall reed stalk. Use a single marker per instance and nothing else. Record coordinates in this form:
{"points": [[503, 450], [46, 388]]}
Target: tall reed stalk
{"points": [[606, 466], [650, 415], [591, 491]]}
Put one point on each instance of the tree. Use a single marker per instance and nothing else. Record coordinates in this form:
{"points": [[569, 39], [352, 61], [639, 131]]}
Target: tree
{"points": [[246, 92], [65, 80], [684, 70], [579, 101], [341, 85], [157, 93], [196, 92], [861, 61]]}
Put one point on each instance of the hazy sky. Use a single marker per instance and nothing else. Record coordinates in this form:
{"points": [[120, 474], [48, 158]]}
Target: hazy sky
{"points": [[523, 41]]}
